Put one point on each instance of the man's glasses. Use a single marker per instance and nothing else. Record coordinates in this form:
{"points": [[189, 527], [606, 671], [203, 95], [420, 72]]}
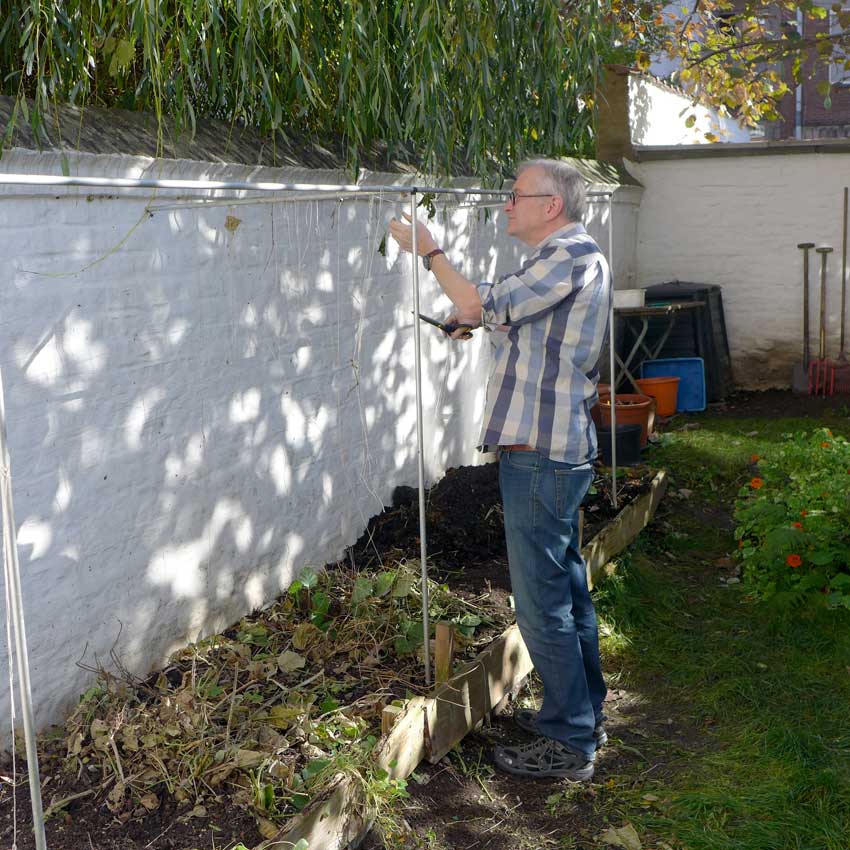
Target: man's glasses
{"points": [[515, 196]]}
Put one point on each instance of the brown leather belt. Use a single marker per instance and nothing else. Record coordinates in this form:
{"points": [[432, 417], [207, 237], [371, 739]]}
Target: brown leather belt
{"points": [[518, 447]]}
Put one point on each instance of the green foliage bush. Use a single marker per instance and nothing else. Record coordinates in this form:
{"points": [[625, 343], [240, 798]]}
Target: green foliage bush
{"points": [[793, 521]]}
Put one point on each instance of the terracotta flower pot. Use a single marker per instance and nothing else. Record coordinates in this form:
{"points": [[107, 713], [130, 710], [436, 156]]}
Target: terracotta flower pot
{"points": [[664, 390], [632, 409]]}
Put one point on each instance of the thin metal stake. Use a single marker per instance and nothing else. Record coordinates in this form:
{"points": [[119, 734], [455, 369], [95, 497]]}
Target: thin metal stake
{"points": [[611, 344], [13, 582], [420, 442]]}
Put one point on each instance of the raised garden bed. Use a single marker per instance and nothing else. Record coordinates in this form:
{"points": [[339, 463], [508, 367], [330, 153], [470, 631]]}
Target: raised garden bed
{"points": [[432, 725], [244, 729]]}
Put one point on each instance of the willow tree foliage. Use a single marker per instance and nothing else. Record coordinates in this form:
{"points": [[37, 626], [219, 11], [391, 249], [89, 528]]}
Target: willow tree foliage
{"points": [[445, 81]]}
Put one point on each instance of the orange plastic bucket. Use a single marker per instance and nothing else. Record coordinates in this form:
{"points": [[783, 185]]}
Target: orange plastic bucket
{"points": [[665, 390]]}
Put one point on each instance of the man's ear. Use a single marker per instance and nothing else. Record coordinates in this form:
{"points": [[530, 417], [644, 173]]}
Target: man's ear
{"points": [[555, 207]]}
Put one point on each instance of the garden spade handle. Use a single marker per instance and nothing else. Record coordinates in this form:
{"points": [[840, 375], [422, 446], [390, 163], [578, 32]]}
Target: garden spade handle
{"points": [[805, 247], [822, 346]]}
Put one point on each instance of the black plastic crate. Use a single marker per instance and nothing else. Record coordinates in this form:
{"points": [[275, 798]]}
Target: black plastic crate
{"points": [[698, 333]]}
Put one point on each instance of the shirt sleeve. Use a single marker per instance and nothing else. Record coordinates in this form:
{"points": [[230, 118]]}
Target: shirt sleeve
{"points": [[538, 287]]}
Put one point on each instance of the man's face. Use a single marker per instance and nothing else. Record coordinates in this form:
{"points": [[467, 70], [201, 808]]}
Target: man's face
{"points": [[528, 219]]}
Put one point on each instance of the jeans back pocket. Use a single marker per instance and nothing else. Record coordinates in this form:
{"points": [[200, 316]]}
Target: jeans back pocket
{"points": [[571, 486]]}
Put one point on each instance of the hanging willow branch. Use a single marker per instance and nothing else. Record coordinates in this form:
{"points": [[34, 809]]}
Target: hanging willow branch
{"points": [[475, 82]]}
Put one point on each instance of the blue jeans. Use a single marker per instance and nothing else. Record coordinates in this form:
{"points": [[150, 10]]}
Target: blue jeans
{"points": [[554, 611]]}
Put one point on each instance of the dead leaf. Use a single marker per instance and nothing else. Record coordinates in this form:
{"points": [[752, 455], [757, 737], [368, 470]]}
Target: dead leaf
{"points": [[246, 759], [283, 716], [99, 731], [231, 223], [150, 801], [75, 744], [130, 739], [197, 812], [304, 635], [267, 828], [115, 798], [625, 837], [289, 661]]}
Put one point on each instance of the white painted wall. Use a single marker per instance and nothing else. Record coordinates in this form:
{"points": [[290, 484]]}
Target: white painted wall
{"points": [[736, 221], [195, 412], [657, 116]]}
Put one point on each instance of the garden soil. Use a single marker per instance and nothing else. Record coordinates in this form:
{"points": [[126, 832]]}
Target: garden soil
{"points": [[466, 546]]}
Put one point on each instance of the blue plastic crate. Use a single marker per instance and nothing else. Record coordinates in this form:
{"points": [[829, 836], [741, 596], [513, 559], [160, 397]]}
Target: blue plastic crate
{"points": [[691, 374]]}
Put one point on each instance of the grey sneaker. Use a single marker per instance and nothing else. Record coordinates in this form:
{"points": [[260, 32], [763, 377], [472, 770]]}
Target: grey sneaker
{"points": [[526, 719], [544, 757]]}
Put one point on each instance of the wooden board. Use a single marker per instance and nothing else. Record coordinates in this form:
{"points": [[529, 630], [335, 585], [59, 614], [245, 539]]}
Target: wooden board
{"points": [[471, 694], [333, 824], [624, 528], [430, 726]]}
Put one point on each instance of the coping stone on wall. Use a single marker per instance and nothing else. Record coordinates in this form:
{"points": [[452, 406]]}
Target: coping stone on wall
{"points": [[119, 134], [652, 153]]}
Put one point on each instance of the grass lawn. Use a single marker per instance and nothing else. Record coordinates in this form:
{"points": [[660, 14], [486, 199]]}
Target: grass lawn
{"points": [[768, 699], [729, 727]]}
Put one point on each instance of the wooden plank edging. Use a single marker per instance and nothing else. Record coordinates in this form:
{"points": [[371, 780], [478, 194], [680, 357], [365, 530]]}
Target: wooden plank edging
{"points": [[430, 726], [624, 528]]}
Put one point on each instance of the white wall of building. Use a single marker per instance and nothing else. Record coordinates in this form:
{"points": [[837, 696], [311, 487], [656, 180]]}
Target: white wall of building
{"points": [[736, 221], [204, 398], [658, 115]]}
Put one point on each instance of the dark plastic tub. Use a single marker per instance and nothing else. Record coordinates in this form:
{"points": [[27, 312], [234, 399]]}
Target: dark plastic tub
{"points": [[628, 444]]}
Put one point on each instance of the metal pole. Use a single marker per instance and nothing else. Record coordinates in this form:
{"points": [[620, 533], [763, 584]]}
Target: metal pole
{"points": [[243, 185], [13, 582], [420, 442], [611, 343]]}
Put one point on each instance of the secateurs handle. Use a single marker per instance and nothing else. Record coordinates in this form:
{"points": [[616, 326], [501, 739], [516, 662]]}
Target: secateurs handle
{"points": [[449, 327]]}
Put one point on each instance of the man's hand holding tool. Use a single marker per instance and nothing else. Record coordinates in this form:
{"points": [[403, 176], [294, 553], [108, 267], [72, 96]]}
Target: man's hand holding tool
{"points": [[451, 327]]}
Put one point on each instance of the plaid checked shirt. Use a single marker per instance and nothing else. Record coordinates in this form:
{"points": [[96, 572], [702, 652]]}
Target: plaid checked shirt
{"points": [[544, 371]]}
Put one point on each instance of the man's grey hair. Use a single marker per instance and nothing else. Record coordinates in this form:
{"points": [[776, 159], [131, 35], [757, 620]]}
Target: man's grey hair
{"points": [[562, 180]]}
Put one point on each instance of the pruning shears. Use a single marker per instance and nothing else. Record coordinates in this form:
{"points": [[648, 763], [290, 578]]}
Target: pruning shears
{"points": [[450, 327]]}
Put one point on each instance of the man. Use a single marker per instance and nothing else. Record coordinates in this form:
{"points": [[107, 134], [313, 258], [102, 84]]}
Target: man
{"points": [[542, 385]]}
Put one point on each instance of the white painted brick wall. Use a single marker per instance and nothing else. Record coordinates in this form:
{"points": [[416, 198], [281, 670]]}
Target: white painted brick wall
{"points": [[658, 115], [736, 221], [195, 414]]}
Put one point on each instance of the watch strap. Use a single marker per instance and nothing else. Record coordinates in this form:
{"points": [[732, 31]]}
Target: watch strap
{"points": [[426, 259]]}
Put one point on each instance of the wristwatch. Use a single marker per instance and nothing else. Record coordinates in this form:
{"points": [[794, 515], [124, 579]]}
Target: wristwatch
{"points": [[426, 259]]}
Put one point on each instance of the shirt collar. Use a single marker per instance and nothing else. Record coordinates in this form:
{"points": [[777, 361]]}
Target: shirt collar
{"points": [[574, 228]]}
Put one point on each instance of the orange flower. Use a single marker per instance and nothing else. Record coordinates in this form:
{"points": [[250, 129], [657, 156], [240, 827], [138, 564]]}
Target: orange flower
{"points": [[829, 432], [824, 445], [803, 513], [794, 561], [798, 525], [757, 483], [740, 544], [754, 459]]}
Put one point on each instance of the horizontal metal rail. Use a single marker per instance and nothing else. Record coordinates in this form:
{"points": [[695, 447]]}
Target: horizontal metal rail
{"points": [[53, 180]]}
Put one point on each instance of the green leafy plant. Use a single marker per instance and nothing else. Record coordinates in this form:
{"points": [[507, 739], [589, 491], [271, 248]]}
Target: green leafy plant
{"points": [[793, 521]]}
